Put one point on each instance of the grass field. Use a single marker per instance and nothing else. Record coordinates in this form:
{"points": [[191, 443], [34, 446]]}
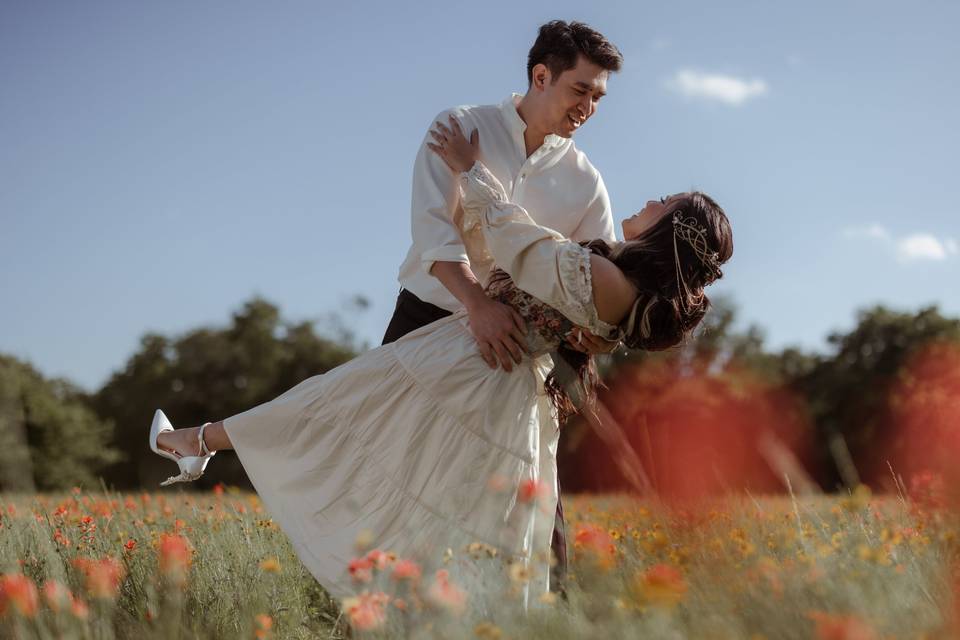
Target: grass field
{"points": [[214, 565]]}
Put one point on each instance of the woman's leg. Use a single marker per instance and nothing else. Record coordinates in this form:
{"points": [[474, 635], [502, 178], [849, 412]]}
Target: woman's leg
{"points": [[186, 442]]}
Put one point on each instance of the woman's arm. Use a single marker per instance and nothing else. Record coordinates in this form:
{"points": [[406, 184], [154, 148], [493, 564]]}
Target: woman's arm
{"points": [[540, 260], [613, 294]]}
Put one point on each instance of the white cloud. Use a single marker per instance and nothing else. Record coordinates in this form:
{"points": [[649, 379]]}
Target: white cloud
{"points": [[921, 246], [908, 248], [711, 86], [869, 231]]}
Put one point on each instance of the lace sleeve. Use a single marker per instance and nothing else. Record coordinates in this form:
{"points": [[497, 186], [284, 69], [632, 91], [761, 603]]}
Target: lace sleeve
{"points": [[540, 261], [574, 267], [480, 190]]}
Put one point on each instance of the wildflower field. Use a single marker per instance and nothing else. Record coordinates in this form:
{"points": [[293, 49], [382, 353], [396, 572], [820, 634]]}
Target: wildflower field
{"points": [[214, 565]]}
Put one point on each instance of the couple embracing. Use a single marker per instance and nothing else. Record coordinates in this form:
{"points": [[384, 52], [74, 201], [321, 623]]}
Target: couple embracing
{"points": [[446, 435]]}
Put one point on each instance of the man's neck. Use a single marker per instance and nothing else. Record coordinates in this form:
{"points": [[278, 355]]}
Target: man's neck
{"points": [[533, 136]]}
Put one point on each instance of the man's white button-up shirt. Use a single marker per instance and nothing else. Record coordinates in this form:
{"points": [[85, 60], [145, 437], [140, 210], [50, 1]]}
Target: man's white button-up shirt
{"points": [[557, 186]]}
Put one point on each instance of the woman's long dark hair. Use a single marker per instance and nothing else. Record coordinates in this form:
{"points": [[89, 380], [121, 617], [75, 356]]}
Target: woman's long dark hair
{"points": [[671, 302]]}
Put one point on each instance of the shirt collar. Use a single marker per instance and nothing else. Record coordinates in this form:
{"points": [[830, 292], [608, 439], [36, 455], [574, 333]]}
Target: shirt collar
{"points": [[516, 124]]}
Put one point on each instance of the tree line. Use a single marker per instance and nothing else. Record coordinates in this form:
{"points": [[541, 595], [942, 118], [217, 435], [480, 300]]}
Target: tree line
{"points": [[715, 402]]}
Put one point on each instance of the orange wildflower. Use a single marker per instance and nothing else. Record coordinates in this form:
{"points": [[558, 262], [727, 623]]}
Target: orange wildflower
{"points": [[130, 544], [591, 536], [264, 624], [531, 490], [406, 570], [270, 565], [18, 590], [103, 576], [174, 557], [367, 611], [79, 609], [56, 595], [380, 559], [447, 595], [60, 539], [597, 542], [104, 508], [361, 569], [836, 627], [661, 585]]}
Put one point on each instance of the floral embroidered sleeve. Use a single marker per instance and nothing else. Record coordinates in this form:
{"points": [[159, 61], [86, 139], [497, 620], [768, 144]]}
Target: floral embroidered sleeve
{"points": [[539, 260]]}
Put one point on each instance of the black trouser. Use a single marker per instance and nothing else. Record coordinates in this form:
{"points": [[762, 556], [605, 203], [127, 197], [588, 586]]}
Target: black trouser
{"points": [[410, 314]]}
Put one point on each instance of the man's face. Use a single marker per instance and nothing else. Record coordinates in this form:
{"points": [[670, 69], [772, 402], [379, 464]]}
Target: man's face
{"points": [[572, 99]]}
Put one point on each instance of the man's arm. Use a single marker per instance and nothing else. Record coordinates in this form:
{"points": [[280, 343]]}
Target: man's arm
{"points": [[497, 327], [597, 221], [434, 199]]}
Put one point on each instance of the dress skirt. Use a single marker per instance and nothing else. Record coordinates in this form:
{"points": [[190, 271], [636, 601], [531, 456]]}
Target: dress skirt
{"points": [[419, 443]]}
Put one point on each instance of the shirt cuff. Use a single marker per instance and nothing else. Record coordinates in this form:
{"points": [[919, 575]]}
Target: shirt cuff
{"points": [[447, 253]]}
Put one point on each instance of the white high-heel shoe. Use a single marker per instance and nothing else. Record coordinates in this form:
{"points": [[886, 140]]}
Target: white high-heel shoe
{"points": [[191, 467]]}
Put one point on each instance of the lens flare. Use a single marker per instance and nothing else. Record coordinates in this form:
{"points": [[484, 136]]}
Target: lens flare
{"points": [[699, 434], [922, 425]]}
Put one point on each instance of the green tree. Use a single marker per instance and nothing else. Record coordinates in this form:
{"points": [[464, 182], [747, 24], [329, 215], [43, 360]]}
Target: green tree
{"points": [[49, 437], [206, 375], [848, 390]]}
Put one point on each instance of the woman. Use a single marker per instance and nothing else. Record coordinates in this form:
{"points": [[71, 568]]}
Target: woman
{"points": [[420, 442]]}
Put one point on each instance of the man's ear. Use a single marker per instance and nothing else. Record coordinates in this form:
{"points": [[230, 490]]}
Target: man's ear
{"points": [[540, 77]]}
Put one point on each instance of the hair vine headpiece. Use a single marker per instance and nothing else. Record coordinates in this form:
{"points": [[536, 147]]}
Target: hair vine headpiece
{"points": [[695, 235]]}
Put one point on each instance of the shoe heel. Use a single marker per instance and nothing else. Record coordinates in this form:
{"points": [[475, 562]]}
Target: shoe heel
{"points": [[191, 468]]}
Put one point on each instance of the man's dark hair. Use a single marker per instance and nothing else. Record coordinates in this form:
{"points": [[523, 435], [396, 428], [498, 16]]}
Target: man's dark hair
{"points": [[559, 43]]}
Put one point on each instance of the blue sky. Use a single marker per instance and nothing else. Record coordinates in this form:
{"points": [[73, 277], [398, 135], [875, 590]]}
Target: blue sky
{"points": [[162, 163]]}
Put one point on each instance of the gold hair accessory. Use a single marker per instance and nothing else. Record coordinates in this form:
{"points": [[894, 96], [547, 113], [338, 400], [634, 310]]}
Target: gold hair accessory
{"points": [[695, 235]]}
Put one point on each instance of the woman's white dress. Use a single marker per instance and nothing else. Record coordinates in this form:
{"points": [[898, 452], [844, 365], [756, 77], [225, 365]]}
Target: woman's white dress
{"points": [[419, 442]]}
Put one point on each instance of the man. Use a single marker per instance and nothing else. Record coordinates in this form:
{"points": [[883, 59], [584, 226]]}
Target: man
{"points": [[526, 143]]}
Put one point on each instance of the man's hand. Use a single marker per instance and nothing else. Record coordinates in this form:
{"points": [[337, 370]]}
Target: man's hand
{"points": [[499, 331], [585, 342]]}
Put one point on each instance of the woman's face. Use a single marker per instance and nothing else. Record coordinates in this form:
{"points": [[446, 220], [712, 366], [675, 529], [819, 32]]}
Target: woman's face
{"points": [[650, 215]]}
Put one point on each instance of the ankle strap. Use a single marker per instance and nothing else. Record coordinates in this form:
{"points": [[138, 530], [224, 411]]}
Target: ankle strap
{"points": [[203, 445]]}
